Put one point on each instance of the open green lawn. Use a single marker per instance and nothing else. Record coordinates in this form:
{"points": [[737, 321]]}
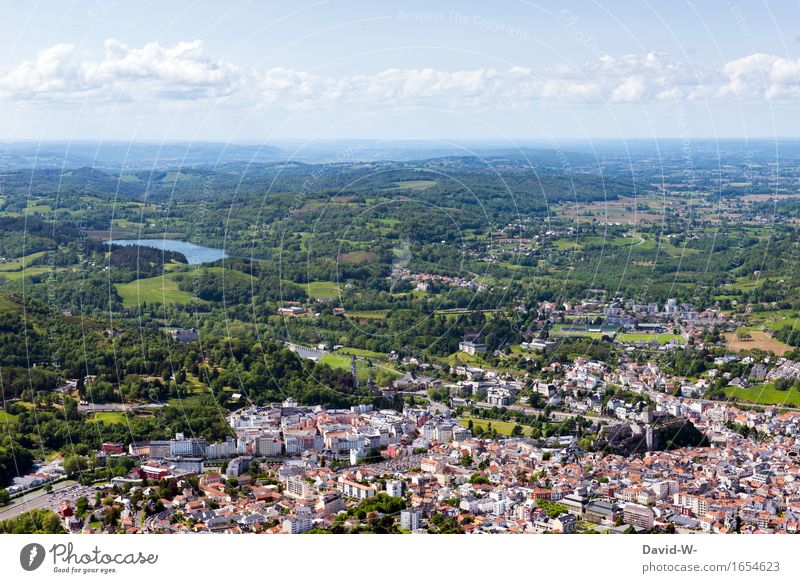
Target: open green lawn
{"points": [[502, 427], [464, 358], [16, 269], [360, 352], [6, 305], [162, 289], [7, 418], [775, 320], [634, 239], [369, 315], [660, 338], [593, 335], [20, 262], [566, 244], [322, 289], [27, 272], [39, 208], [108, 417], [415, 184], [343, 362], [677, 251], [355, 257], [766, 395]]}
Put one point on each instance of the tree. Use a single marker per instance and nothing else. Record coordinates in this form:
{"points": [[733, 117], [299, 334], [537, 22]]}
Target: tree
{"points": [[39, 521], [74, 464], [466, 460], [82, 505]]}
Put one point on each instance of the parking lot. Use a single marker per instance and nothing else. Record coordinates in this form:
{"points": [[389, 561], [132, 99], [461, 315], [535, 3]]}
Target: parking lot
{"points": [[62, 491]]}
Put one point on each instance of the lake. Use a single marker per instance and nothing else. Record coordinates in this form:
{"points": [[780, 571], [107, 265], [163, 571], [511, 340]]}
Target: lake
{"points": [[195, 254]]}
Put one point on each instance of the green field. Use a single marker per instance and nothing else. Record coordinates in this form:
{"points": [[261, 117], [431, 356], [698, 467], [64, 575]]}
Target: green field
{"points": [[355, 257], [592, 335], [7, 418], [16, 269], [369, 315], [502, 427], [416, 184], [322, 289], [359, 352], [775, 320], [343, 362], [162, 289], [464, 358], [660, 338], [108, 417], [765, 395], [20, 262], [566, 244], [27, 272]]}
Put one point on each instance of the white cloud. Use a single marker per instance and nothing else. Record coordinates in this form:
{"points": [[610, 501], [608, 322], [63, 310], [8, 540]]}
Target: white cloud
{"points": [[761, 75], [46, 74], [185, 73]]}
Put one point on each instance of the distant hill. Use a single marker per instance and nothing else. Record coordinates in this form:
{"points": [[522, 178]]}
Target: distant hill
{"points": [[131, 156]]}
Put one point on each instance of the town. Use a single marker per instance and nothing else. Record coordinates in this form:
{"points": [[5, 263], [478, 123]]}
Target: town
{"points": [[575, 447]]}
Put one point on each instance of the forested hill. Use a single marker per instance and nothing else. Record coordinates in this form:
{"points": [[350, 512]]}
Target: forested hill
{"points": [[537, 178], [36, 341]]}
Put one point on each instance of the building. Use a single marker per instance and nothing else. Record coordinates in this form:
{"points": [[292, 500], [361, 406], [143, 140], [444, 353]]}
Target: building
{"points": [[187, 464], [410, 520], [639, 516], [395, 488], [688, 504], [238, 466], [112, 448], [576, 502], [352, 489], [598, 511], [159, 449], [565, 524], [472, 348], [297, 524], [153, 472], [297, 487], [330, 503], [185, 335], [188, 447], [223, 449], [268, 446]]}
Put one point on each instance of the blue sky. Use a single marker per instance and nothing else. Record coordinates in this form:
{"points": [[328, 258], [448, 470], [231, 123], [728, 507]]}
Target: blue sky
{"points": [[260, 71]]}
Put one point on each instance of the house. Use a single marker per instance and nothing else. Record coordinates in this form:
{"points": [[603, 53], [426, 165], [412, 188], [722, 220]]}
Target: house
{"points": [[292, 311], [564, 523], [185, 335], [472, 348]]}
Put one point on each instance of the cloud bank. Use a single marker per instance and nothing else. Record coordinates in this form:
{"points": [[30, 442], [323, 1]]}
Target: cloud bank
{"points": [[184, 73]]}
